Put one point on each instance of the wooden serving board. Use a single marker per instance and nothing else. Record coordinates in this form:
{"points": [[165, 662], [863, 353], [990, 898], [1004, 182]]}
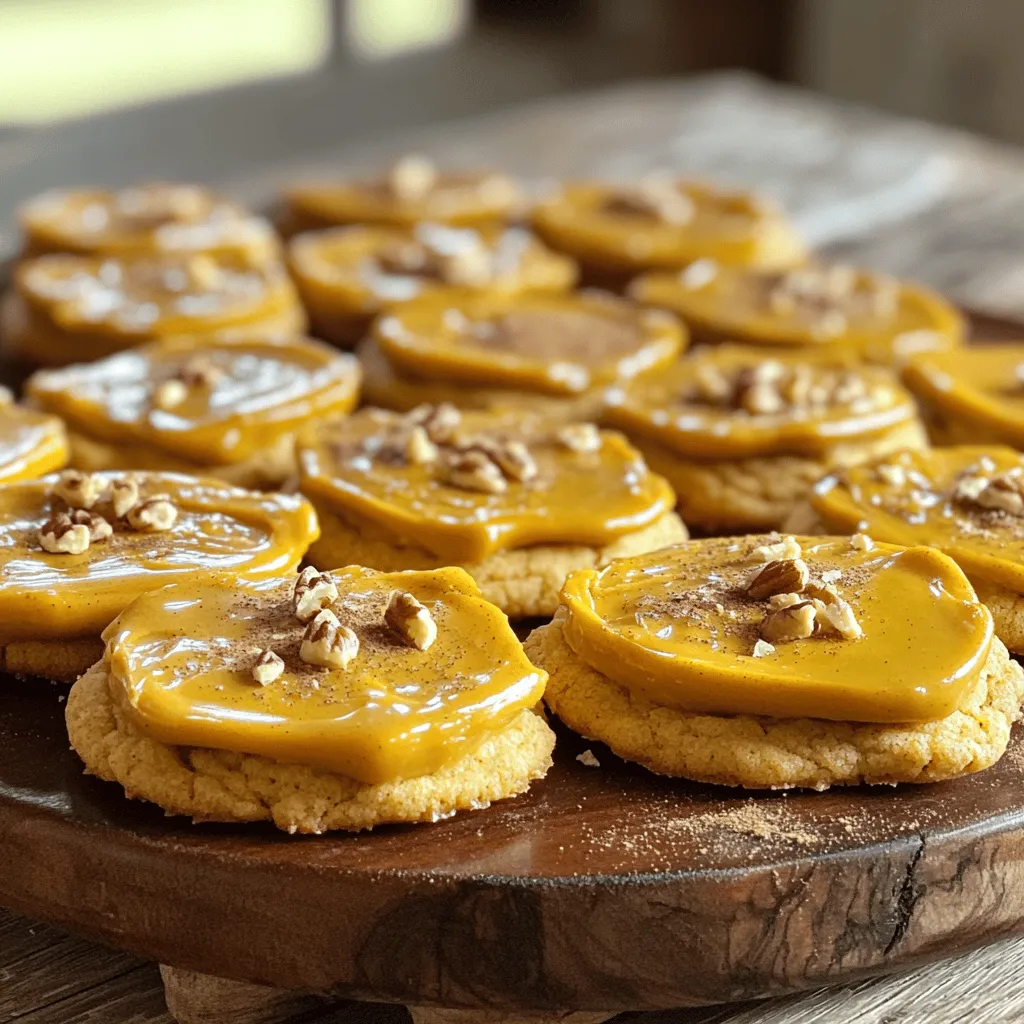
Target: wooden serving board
{"points": [[603, 888]]}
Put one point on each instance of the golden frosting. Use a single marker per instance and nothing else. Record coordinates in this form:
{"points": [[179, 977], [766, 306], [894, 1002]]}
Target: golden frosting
{"points": [[369, 465], [361, 270], [972, 394], [665, 223], [551, 344], [883, 319], [67, 308], [212, 403], [46, 595], [412, 190], [732, 402], [966, 501], [394, 712], [162, 217], [678, 627], [31, 443]]}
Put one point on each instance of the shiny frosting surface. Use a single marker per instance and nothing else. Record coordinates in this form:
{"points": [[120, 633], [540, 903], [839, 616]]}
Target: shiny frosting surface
{"points": [[980, 384], [926, 498], [152, 295], [160, 217], [550, 344], [181, 659], [31, 443], [356, 465], [730, 401], [218, 529], [677, 627], [237, 398], [884, 319]]}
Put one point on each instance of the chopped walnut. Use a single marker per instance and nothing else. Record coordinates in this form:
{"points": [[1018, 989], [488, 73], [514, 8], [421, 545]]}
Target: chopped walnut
{"points": [[410, 620], [412, 178], [200, 371], [79, 490], [969, 487], [99, 528], [793, 622], [580, 437], [836, 616], [782, 576], [124, 495], [60, 535], [313, 591], [441, 422], [656, 197], [419, 449], [785, 547], [153, 515], [1004, 492], [762, 649], [473, 471], [268, 667], [169, 394], [862, 542], [327, 643], [894, 476], [713, 386], [785, 600], [513, 458]]}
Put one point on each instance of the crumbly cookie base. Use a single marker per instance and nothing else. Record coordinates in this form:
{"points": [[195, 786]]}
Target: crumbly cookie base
{"points": [[61, 661]]}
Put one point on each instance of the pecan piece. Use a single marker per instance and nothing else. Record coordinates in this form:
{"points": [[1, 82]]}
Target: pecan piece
{"points": [[782, 576], [411, 620]]}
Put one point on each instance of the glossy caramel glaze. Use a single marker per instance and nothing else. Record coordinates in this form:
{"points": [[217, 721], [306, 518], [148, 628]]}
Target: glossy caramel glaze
{"points": [[886, 321], [357, 465], [919, 498], [680, 409], [239, 397], [181, 658], [145, 220], [971, 395], [548, 344], [677, 627], [31, 443], [218, 529], [735, 228]]}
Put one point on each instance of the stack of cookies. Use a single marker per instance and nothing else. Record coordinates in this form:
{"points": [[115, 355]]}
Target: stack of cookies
{"points": [[274, 492]]}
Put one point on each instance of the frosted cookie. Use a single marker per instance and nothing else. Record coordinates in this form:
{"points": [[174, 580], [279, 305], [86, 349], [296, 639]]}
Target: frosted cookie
{"points": [[31, 443], [76, 548], [971, 395], [742, 438], [517, 501], [294, 700], [161, 218], [557, 353], [617, 231], [347, 276], [771, 662], [226, 409], [412, 190], [71, 309], [884, 320], [966, 501]]}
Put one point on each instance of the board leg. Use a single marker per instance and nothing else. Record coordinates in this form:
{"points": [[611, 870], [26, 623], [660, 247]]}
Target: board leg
{"points": [[438, 1015], [194, 998]]}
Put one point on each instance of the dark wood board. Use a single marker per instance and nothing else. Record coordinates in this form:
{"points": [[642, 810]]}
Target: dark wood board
{"points": [[603, 888]]}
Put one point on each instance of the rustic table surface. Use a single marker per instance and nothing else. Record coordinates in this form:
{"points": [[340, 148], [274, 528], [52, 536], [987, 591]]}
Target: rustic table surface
{"points": [[908, 198]]}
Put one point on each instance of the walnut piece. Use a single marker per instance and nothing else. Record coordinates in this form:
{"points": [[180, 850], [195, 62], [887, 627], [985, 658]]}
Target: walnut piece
{"points": [[656, 197], [862, 542], [99, 528], [60, 535], [327, 643], [836, 616], [410, 620], [441, 422], [794, 622], [580, 437], [419, 449], [79, 490], [473, 471], [153, 515], [513, 458], [124, 496], [782, 576], [169, 394], [412, 178], [1004, 492], [199, 371], [268, 666], [762, 649], [313, 592], [785, 547]]}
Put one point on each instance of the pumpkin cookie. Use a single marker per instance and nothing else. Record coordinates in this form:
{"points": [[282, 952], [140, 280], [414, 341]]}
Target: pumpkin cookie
{"points": [[742, 438], [347, 276], [884, 320], [966, 501], [306, 688], [146, 220], [226, 409], [772, 662], [412, 190], [71, 309], [617, 231], [498, 494], [971, 395], [76, 548], [31, 443], [556, 353]]}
